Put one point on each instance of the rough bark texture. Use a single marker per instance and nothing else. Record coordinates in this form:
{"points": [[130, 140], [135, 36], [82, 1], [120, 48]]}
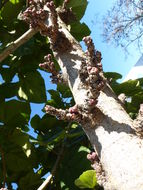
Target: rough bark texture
{"points": [[119, 149]]}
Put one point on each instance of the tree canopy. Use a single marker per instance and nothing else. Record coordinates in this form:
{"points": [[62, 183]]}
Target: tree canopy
{"points": [[123, 24]]}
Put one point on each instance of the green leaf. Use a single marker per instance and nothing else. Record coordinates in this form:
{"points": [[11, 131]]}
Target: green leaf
{"points": [[87, 180], [57, 98], [7, 74], [84, 149], [22, 139], [113, 75], [27, 48], [8, 90], [51, 131], [79, 30], [4, 35], [75, 133], [10, 12], [51, 102], [32, 88], [137, 99], [64, 90], [17, 162], [130, 88], [78, 7], [74, 160], [14, 1], [30, 181], [12, 110], [58, 2], [35, 121], [52, 138]]}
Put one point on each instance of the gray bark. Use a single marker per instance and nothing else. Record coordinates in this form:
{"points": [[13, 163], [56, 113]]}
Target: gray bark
{"points": [[119, 148]]}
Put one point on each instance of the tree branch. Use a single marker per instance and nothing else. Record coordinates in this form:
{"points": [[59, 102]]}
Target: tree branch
{"points": [[47, 181], [17, 43]]}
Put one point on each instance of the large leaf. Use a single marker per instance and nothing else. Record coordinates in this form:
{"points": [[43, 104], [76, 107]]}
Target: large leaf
{"points": [[137, 99], [32, 88], [18, 158], [45, 123], [10, 11], [130, 87], [30, 182], [79, 30], [64, 90], [8, 90], [113, 75], [52, 138], [35, 122], [13, 110], [75, 160], [87, 180], [78, 7], [7, 74], [55, 95], [21, 139]]}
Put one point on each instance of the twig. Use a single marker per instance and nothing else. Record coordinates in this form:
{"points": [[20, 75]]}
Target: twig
{"points": [[4, 166], [47, 181], [17, 43]]}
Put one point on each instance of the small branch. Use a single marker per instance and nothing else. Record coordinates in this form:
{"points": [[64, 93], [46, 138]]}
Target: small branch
{"points": [[47, 181], [72, 114], [58, 113], [17, 43], [4, 166]]}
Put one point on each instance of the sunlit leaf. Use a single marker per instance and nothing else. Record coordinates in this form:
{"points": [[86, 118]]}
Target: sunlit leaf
{"points": [[87, 180], [14, 1], [32, 88]]}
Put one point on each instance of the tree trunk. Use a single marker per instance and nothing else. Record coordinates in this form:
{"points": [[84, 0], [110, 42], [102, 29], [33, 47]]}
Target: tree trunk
{"points": [[120, 150]]}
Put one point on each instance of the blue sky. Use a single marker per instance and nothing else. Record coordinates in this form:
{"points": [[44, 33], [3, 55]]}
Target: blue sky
{"points": [[114, 58]]}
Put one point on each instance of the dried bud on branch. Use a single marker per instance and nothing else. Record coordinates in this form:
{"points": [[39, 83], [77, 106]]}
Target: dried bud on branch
{"points": [[91, 73], [66, 14], [36, 16], [59, 113], [96, 165], [49, 65], [71, 114], [93, 157], [138, 122], [53, 13]]}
